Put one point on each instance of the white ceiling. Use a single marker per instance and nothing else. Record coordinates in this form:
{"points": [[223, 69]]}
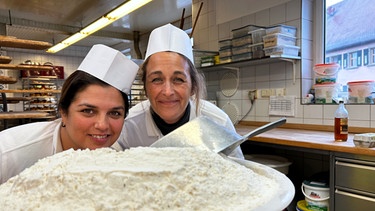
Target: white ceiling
{"points": [[53, 20]]}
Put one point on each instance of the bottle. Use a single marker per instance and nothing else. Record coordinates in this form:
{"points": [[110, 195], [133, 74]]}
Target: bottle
{"points": [[341, 123]]}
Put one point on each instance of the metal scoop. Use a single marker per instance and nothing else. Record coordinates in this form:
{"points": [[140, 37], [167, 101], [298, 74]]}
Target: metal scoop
{"points": [[203, 132]]}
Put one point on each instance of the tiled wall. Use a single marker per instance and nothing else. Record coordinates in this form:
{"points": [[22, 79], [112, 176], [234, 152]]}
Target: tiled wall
{"points": [[299, 13]]}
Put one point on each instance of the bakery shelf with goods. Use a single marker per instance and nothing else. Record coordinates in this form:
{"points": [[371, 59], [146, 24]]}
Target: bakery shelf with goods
{"points": [[137, 93], [23, 96], [45, 101]]}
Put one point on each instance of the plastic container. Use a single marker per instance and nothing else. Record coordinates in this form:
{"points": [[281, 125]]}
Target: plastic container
{"points": [[316, 195], [240, 41], [257, 35], [326, 73], [227, 43], [326, 69], [207, 61], [284, 29], [239, 32], [243, 56], [287, 50], [241, 49], [325, 93], [341, 123], [257, 50], [226, 59], [276, 162], [361, 91], [365, 140], [278, 39], [198, 54], [302, 206], [225, 52]]}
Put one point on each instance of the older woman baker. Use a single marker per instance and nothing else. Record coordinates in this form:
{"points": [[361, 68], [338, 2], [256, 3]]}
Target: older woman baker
{"points": [[175, 91], [93, 106]]}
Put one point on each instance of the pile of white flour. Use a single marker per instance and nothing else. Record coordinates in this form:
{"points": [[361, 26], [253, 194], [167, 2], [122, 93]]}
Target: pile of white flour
{"points": [[141, 178]]}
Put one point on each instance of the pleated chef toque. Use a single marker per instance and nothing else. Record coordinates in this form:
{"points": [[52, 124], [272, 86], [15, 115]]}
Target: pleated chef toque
{"points": [[169, 38], [111, 66]]}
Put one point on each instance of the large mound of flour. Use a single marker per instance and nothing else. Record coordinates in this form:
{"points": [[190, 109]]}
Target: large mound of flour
{"points": [[141, 178]]}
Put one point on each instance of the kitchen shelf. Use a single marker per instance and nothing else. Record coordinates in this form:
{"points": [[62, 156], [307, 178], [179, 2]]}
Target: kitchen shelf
{"points": [[46, 101], [7, 80], [23, 115], [137, 94], [252, 62], [5, 59], [13, 42], [25, 67], [13, 100], [44, 112], [54, 91]]}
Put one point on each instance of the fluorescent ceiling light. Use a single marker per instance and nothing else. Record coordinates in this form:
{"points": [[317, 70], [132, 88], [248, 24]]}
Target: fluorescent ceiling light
{"points": [[100, 23], [97, 25]]}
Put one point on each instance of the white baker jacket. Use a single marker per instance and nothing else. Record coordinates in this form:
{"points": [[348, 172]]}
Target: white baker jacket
{"points": [[22, 146], [140, 129]]}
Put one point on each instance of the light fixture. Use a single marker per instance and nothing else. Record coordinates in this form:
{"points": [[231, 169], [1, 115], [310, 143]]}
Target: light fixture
{"points": [[117, 13]]}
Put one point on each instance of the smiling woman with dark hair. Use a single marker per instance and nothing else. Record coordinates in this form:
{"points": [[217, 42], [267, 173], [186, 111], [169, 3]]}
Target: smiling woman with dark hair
{"points": [[93, 106]]}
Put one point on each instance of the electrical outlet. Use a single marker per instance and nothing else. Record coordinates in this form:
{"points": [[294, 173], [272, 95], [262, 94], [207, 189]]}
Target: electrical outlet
{"points": [[272, 92], [280, 92], [252, 94], [265, 93]]}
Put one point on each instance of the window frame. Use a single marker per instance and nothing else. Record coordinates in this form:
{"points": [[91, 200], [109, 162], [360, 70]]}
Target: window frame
{"points": [[319, 38], [371, 57]]}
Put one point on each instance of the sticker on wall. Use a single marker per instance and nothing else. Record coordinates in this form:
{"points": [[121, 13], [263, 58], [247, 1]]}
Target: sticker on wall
{"points": [[282, 105]]}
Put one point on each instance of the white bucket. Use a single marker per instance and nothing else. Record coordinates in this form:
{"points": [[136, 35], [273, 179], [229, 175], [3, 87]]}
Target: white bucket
{"points": [[361, 91], [325, 93], [316, 195], [326, 73]]}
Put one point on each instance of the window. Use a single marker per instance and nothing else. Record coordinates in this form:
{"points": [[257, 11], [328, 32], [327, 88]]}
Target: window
{"points": [[369, 56], [349, 38]]}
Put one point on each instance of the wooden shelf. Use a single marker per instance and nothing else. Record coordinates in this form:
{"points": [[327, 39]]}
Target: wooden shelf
{"points": [[25, 67], [17, 98], [23, 115], [31, 91], [13, 42], [7, 80], [5, 59]]}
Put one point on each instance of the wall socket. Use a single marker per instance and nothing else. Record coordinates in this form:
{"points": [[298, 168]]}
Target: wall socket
{"points": [[266, 93]]}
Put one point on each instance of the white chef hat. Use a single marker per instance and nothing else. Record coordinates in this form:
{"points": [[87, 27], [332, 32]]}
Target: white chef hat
{"points": [[110, 66], [169, 38]]}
